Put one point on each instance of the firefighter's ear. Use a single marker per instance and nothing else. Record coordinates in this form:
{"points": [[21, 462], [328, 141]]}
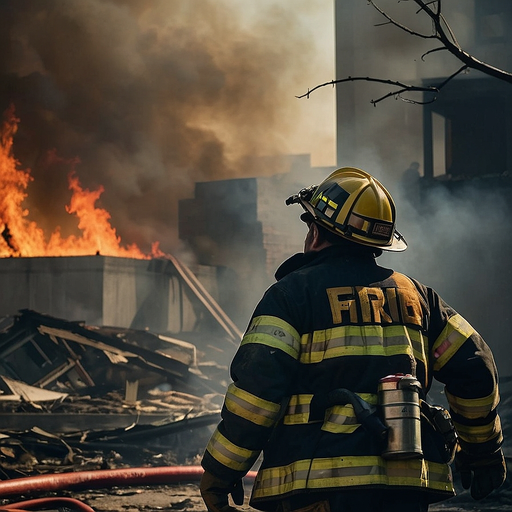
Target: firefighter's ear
{"points": [[315, 236], [314, 240]]}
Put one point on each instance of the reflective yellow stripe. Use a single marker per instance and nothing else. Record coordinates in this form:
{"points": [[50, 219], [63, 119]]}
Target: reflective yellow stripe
{"points": [[356, 340], [229, 454], [328, 201], [454, 334], [473, 407], [273, 332], [419, 346], [479, 434], [341, 419], [250, 407], [338, 419], [297, 411], [351, 471]]}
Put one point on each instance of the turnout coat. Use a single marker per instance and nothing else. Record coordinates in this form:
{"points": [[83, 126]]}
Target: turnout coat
{"points": [[336, 320]]}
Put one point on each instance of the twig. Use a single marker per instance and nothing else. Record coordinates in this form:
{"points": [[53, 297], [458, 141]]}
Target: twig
{"points": [[400, 25]]}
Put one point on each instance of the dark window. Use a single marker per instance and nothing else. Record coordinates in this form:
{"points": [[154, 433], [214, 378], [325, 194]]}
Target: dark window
{"points": [[492, 19]]}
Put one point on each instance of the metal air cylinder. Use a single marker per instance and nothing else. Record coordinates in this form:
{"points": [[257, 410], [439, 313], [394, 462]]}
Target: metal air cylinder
{"points": [[399, 400]]}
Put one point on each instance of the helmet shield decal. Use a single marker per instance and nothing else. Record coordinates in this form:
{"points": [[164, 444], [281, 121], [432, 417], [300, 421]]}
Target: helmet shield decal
{"points": [[329, 201]]}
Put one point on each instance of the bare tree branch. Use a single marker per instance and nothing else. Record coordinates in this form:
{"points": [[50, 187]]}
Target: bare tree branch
{"points": [[434, 89], [391, 21], [404, 87], [442, 32], [452, 46], [434, 50]]}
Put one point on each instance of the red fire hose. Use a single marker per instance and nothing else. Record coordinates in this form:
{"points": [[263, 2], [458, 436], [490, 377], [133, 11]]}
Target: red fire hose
{"points": [[104, 478], [45, 503]]}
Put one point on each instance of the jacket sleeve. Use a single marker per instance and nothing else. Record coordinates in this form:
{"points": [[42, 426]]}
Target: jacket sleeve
{"points": [[462, 361], [261, 371]]}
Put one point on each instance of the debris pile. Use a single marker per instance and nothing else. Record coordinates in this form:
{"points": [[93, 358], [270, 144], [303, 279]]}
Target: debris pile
{"points": [[78, 397]]}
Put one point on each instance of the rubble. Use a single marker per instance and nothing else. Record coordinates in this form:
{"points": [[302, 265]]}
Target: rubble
{"points": [[75, 397], [80, 398]]}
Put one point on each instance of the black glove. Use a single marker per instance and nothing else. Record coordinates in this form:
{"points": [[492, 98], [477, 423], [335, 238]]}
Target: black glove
{"points": [[481, 473], [215, 492]]}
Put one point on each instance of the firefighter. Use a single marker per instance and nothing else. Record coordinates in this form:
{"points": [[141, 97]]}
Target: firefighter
{"points": [[305, 379]]}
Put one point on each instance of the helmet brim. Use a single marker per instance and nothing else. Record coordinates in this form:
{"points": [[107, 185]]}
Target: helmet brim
{"points": [[398, 243]]}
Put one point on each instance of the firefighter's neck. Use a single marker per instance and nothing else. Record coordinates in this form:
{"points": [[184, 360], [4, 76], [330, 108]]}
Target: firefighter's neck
{"points": [[314, 242]]}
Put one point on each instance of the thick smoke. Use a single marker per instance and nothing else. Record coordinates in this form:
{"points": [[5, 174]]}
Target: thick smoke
{"points": [[458, 242], [150, 96], [459, 245]]}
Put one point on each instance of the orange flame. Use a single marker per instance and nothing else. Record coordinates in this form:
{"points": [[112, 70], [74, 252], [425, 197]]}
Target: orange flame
{"points": [[23, 237]]}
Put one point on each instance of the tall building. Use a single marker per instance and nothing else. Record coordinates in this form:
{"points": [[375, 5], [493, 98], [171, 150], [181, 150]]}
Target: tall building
{"points": [[464, 131]]}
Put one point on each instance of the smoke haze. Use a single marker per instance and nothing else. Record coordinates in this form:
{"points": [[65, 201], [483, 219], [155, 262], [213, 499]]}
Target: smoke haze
{"points": [[148, 97], [458, 243], [459, 247]]}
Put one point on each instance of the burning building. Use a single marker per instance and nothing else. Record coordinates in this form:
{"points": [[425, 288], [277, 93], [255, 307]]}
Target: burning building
{"points": [[90, 276], [96, 331]]}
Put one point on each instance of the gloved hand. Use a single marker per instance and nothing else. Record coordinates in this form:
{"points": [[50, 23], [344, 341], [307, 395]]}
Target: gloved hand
{"points": [[215, 493], [481, 473]]}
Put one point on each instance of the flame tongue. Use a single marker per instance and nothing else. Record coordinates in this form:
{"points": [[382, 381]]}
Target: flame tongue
{"points": [[23, 237]]}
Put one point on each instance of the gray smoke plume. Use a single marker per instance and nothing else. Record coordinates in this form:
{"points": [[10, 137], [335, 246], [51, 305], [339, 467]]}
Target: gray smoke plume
{"points": [[150, 96], [459, 243]]}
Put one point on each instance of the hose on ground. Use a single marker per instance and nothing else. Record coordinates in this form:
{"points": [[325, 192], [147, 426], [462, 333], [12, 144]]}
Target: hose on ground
{"points": [[45, 504], [103, 478]]}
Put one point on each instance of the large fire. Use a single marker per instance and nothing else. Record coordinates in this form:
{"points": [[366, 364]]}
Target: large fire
{"points": [[23, 237]]}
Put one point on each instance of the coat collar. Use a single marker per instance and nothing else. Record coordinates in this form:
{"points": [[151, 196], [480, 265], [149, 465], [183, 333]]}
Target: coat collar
{"points": [[301, 259]]}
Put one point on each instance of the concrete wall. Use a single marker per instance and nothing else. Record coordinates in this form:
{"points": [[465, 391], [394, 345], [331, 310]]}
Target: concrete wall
{"points": [[244, 226], [102, 290]]}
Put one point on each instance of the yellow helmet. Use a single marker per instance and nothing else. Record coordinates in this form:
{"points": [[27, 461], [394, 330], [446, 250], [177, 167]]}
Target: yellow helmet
{"points": [[355, 206]]}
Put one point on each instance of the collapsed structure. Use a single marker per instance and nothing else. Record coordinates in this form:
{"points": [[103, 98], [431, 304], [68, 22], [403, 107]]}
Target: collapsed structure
{"points": [[71, 387], [97, 350]]}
